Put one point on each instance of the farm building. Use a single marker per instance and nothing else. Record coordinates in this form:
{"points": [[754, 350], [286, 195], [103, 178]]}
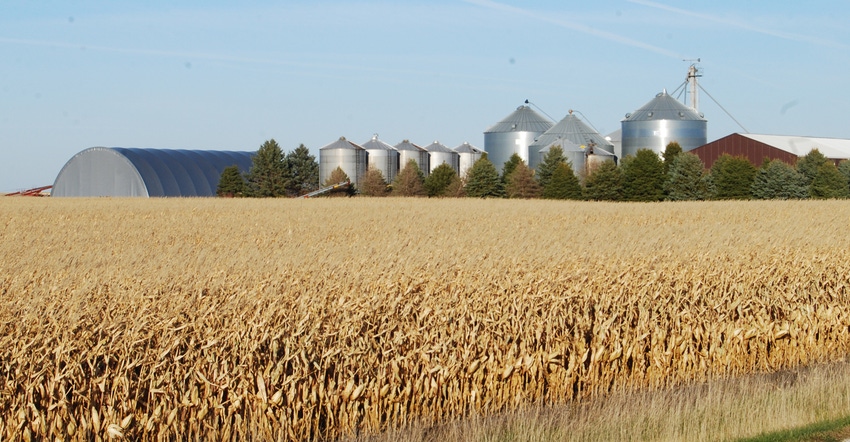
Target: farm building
{"points": [[513, 135], [757, 148], [659, 122], [350, 157], [118, 171]]}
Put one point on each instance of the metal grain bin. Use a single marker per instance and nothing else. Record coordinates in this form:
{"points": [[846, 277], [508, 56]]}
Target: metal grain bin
{"points": [[513, 135], [383, 157], [350, 157], [408, 151], [467, 156], [440, 154], [571, 129], [661, 121], [582, 158]]}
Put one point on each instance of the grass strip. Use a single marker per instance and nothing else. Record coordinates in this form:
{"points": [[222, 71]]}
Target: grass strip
{"points": [[811, 432]]}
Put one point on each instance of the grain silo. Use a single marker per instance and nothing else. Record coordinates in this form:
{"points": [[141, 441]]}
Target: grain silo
{"points": [[348, 156], [572, 131], [467, 156], [513, 135], [383, 157], [408, 151], [118, 171], [660, 122], [582, 157], [440, 154]]}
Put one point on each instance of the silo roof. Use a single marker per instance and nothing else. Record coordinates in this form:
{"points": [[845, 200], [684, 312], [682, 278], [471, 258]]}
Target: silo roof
{"points": [[468, 148], [664, 107], [376, 144], [437, 146], [523, 119], [572, 129], [407, 145], [342, 143]]}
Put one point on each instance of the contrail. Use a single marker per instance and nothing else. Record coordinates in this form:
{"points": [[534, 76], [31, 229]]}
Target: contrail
{"points": [[740, 24], [576, 27]]}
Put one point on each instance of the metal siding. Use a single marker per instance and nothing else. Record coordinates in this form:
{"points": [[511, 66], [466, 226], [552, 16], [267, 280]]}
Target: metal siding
{"points": [[99, 171], [182, 176], [450, 158], [385, 161], [737, 145], [146, 172], [501, 146], [657, 134], [352, 161]]}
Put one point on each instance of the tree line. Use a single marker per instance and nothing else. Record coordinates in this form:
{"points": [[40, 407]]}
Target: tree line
{"points": [[675, 176], [272, 174]]}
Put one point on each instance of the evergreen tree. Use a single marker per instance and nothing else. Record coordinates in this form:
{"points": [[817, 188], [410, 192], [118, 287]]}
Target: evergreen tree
{"points": [[732, 177], [338, 176], [844, 168], [563, 185], [269, 175], [550, 162], [778, 180], [232, 183], [672, 150], [809, 164], [510, 166], [373, 183], [829, 183], [484, 180], [410, 181], [605, 183], [521, 182], [687, 179], [440, 179], [643, 176], [304, 171]]}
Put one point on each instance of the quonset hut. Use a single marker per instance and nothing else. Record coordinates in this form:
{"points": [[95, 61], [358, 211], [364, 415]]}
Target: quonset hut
{"points": [[120, 172], [440, 154], [661, 121], [513, 135], [348, 156], [577, 140], [383, 157]]}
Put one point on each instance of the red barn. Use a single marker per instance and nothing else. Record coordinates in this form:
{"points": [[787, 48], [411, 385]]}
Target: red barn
{"points": [[756, 148]]}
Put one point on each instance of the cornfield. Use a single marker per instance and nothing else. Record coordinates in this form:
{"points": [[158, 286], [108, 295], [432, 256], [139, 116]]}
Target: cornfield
{"points": [[320, 319]]}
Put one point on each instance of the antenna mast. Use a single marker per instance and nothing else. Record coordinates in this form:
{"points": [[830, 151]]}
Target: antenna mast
{"points": [[693, 74]]}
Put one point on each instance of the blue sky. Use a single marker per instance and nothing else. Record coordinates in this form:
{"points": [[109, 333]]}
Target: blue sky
{"points": [[229, 75]]}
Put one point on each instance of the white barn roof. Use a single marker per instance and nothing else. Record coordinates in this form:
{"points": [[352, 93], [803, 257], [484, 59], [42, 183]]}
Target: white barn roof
{"points": [[833, 148]]}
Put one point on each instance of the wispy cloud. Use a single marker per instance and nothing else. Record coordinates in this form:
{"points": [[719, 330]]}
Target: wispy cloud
{"points": [[605, 35], [741, 24]]}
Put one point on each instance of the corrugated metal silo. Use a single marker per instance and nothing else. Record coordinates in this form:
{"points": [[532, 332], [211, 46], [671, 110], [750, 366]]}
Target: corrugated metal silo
{"points": [[348, 156], [408, 151], [661, 121], [383, 157], [440, 154], [513, 135], [572, 130], [582, 158], [467, 156]]}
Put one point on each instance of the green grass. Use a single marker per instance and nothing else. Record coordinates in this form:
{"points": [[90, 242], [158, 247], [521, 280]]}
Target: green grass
{"points": [[819, 431], [814, 401]]}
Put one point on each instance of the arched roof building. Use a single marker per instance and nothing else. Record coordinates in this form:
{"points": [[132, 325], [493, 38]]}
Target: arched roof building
{"points": [[118, 171]]}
